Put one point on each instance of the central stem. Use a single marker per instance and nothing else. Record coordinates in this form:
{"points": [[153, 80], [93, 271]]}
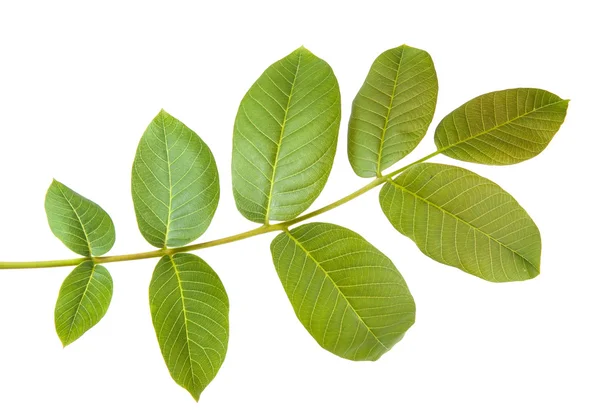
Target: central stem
{"points": [[267, 228]]}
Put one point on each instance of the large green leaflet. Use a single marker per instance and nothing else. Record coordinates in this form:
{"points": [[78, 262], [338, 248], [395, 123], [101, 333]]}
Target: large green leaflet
{"points": [[190, 313], [285, 138], [347, 294], [79, 223], [83, 300], [461, 219], [392, 110], [503, 127], [175, 184]]}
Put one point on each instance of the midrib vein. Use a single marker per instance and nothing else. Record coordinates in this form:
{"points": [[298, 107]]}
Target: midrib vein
{"points": [[185, 319], [336, 287], [170, 183], [464, 222], [281, 135], [87, 285], [87, 239], [389, 111]]}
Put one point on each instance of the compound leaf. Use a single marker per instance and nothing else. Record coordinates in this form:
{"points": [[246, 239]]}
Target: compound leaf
{"points": [[461, 219], [285, 137], [174, 183], [83, 300], [392, 110], [79, 223], [347, 294], [504, 127], [190, 313]]}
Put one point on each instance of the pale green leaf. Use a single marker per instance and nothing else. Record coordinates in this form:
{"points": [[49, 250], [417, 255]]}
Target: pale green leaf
{"points": [[504, 127], [82, 301], [285, 137], [461, 219], [347, 294], [190, 313], [79, 223], [392, 110], [174, 182]]}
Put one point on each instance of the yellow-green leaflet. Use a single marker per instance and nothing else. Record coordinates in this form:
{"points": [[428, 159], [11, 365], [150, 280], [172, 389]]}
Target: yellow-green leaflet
{"points": [[82, 225], [461, 219], [174, 183], [83, 300], [347, 294], [504, 127], [392, 110], [284, 138], [190, 313]]}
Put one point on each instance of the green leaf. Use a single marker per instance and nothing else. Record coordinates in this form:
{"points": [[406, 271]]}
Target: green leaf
{"points": [[174, 182], [79, 223], [190, 313], [461, 219], [347, 294], [285, 137], [82, 301], [392, 110], [504, 127]]}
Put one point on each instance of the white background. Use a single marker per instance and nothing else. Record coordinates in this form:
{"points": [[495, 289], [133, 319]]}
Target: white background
{"points": [[80, 82]]}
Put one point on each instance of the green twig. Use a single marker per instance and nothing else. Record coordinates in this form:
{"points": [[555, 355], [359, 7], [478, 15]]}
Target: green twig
{"points": [[267, 228]]}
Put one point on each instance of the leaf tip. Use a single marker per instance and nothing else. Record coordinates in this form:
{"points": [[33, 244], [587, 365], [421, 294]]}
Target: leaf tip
{"points": [[405, 46], [194, 392], [302, 50], [65, 341], [163, 114]]}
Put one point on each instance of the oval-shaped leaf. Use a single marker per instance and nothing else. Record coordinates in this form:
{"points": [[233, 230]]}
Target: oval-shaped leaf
{"points": [[79, 223], [504, 127], [392, 110], [347, 294], [83, 300], [461, 219], [190, 313], [174, 182], [285, 137]]}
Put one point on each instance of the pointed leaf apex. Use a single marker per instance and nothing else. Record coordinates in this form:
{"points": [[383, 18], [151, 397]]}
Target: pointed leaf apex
{"points": [[163, 113], [302, 50], [195, 394]]}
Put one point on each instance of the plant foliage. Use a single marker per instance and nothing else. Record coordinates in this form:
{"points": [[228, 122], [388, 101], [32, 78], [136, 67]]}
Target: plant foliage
{"points": [[347, 294]]}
